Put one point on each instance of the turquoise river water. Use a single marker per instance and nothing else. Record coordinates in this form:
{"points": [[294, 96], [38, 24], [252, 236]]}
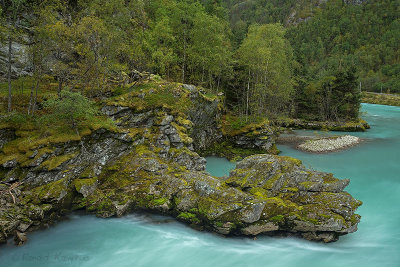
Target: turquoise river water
{"points": [[147, 240]]}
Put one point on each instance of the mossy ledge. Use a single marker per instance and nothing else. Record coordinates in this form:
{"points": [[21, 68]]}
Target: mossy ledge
{"points": [[148, 161], [348, 126]]}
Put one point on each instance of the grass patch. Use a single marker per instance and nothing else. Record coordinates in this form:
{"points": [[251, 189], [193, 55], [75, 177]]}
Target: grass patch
{"points": [[234, 125]]}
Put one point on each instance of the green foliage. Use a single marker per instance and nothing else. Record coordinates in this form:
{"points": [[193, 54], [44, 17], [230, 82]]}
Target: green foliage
{"points": [[267, 57], [334, 98], [15, 118], [71, 109], [365, 36], [238, 122]]}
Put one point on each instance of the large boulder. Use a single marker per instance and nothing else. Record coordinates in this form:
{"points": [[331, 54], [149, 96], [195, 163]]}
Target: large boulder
{"points": [[264, 194]]}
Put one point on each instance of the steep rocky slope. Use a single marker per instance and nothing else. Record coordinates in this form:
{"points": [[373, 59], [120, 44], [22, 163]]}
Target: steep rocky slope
{"points": [[148, 161]]}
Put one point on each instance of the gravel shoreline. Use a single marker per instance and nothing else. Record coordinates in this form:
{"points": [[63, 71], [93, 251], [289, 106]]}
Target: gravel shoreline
{"points": [[329, 144]]}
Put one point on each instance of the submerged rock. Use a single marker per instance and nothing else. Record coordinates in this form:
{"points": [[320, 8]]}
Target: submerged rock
{"points": [[20, 238]]}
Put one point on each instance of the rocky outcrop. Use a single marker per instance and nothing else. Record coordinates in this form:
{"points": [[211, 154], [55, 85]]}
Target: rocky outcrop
{"points": [[238, 140], [205, 114], [297, 200], [253, 136], [20, 66], [148, 162]]}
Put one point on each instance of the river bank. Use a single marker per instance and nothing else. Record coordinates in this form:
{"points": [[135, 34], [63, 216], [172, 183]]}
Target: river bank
{"points": [[381, 99]]}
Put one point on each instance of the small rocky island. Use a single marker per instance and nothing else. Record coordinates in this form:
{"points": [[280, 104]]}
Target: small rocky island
{"points": [[150, 160], [329, 144], [318, 144]]}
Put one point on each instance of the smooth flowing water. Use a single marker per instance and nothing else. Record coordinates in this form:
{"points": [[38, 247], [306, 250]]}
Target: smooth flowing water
{"points": [[142, 240]]}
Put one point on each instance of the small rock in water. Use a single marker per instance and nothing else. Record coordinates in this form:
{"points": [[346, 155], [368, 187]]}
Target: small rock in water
{"points": [[329, 144], [20, 238]]}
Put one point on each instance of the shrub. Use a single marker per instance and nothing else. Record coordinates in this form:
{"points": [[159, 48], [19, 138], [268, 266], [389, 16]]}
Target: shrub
{"points": [[71, 109]]}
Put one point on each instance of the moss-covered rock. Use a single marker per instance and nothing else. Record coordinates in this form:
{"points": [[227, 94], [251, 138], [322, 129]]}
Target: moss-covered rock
{"points": [[148, 162]]}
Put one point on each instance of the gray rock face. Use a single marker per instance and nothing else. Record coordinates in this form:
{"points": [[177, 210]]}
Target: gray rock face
{"points": [[205, 115], [21, 65], [262, 140], [168, 135], [256, 229], [190, 87]]}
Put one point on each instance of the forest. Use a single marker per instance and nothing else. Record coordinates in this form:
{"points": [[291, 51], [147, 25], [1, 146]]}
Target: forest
{"points": [[299, 59]]}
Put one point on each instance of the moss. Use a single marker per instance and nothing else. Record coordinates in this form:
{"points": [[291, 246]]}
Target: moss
{"points": [[56, 161], [276, 206], [186, 215], [17, 157], [88, 172], [182, 132], [50, 191], [135, 133], [159, 201], [189, 217], [274, 150], [46, 207], [290, 160], [228, 150], [234, 125], [292, 189], [355, 218], [277, 218], [219, 224], [259, 192], [307, 184], [78, 183], [271, 181], [104, 207], [329, 178], [312, 220], [348, 126], [142, 150], [153, 94], [184, 122]]}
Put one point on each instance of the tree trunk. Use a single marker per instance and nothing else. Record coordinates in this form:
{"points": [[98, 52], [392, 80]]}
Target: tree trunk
{"points": [[247, 97], [202, 74], [35, 100], [184, 56], [31, 100], [9, 72], [59, 87]]}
